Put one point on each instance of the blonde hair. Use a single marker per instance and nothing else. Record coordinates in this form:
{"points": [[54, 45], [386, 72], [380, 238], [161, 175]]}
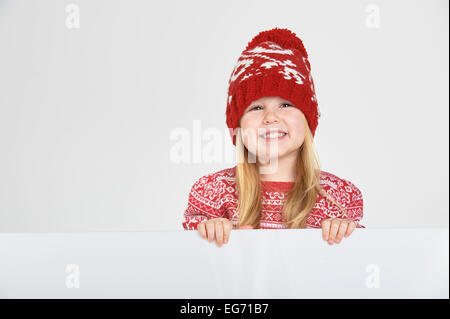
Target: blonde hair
{"points": [[300, 198]]}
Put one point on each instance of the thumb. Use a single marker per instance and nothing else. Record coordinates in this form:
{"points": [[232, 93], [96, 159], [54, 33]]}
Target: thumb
{"points": [[246, 227]]}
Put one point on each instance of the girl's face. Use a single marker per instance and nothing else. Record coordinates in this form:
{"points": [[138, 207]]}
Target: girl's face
{"points": [[269, 116]]}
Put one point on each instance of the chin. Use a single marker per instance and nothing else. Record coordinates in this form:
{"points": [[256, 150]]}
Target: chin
{"points": [[272, 158]]}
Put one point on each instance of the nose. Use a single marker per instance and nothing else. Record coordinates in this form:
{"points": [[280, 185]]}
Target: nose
{"points": [[270, 117]]}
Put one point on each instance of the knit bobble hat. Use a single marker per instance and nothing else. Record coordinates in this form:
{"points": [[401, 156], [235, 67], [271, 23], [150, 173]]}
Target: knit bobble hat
{"points": [[274, 63]]}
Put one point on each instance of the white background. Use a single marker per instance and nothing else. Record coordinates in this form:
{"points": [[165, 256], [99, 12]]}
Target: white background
{"points": [[86, 113]]}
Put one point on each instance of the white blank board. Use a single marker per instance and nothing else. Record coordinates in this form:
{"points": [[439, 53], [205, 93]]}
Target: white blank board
{"points": [[371, 263]]}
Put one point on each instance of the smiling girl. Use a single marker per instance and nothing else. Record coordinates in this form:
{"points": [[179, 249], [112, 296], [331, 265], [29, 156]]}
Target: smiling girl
{"points": [[272, 114]]}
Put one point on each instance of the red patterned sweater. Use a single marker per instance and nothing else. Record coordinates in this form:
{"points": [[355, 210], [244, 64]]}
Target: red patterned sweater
{"points": [[215, 195]]}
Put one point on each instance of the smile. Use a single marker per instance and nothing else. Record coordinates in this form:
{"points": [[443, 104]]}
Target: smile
{"points": [[273, 136]]}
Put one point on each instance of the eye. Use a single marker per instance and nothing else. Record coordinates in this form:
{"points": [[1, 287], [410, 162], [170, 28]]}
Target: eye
{"points": [[257, 106]]}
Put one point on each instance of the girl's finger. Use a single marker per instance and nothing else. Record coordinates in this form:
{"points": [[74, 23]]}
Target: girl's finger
{"points": [[326, 224], [351, 227], [342, 229], [202, 229], [210, 230], [334, 229], [219, 233], [227, 227], [246, 227]]}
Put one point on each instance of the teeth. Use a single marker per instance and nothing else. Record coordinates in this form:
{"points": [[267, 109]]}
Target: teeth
{"points": [[275, 135]]}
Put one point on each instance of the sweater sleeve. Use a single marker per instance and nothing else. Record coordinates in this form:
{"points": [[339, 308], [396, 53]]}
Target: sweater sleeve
{"points": [[352, 196], [203, 202]]}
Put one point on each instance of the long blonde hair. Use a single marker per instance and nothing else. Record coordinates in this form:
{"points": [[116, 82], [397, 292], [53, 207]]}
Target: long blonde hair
{"points": [[300, 198]]}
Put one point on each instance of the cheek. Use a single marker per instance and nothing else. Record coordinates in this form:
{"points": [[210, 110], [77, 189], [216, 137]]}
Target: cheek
{"points": [[248, 132], [299, 132], [297, 128]]}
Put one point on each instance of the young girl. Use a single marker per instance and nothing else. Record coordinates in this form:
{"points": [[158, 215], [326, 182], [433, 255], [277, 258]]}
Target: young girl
{"points": [[272, 114]]}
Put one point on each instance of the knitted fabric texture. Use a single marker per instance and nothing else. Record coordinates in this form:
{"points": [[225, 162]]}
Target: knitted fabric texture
{"points": [[274, 63], [215, 195]]}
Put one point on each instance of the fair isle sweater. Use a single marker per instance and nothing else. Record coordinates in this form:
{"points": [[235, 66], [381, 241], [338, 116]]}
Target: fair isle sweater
{"points": [[215, 195]]}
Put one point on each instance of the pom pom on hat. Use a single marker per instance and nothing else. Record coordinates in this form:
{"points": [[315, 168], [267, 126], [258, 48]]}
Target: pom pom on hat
{"points": [[283, 37]]}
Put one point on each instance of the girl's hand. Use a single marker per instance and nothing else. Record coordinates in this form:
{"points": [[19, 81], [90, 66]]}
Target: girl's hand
{"points": [[334, 229], [245, 227], [216, 228]]}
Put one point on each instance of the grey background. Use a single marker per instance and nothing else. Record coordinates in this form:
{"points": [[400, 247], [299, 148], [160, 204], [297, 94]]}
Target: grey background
{"points": [[86, 114]]}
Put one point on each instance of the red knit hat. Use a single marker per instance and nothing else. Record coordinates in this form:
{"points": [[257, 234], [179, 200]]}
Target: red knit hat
{"points": [[274, 63]]}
